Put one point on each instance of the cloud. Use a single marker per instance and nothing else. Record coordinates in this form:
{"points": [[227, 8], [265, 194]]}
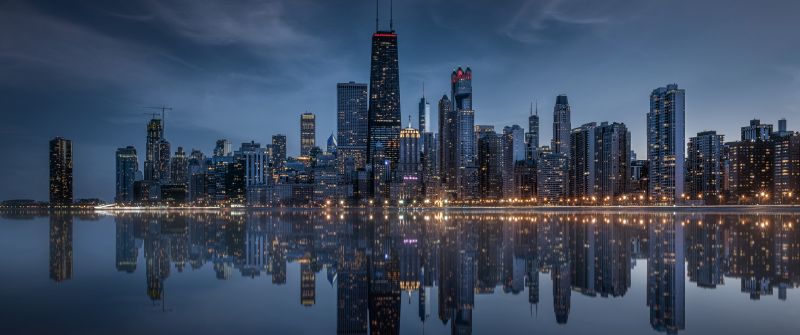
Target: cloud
{"points": [[259, 23], [535, 21]]}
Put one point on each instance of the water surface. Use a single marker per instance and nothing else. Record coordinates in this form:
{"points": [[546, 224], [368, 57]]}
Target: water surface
{"points": [[354, 272]]}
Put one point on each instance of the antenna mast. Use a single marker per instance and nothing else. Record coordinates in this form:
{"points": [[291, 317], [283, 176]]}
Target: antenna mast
{"points": [[391, 15], [377, 7]]}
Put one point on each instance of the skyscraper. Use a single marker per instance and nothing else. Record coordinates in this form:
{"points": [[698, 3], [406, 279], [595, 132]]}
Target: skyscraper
{"points": [[516, 136], [127, 167], [279, 150], [447, 145], [532, 136], [665, 143], [152, 165], [408, 169], [466, 155], [490, 159], [424, 114], [582, 165], [552, 175], [705, 166], [561, 126], [466, 149], [308, 133], [351, 123], [612, 159], [461, 89], [384, 95], [179, 168], [60, 172], [787, 166], [513, 142]]}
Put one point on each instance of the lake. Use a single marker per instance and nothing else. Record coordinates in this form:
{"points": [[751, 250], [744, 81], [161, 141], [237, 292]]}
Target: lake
{"points": [[400, 271]]}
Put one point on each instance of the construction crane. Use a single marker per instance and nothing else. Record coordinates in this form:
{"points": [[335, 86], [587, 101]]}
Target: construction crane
{"points": [[163, 109]]}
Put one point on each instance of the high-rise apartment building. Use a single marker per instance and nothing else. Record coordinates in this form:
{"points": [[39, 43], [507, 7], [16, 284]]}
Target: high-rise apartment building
{"points": [[704, 166], [787, 167], [612, 159], [666, 123], [279, 150], [60, 172]]}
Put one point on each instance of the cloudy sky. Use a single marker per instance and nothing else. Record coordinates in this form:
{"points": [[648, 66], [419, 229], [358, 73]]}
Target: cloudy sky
{"points": [[244, 70]]}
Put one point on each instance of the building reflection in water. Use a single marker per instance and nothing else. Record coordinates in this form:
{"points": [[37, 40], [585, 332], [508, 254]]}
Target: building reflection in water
{"points": [[380, 261], [60, 247]]}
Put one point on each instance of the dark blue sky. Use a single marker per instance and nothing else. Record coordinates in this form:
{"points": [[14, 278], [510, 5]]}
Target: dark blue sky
{"points": [[245, 70]]}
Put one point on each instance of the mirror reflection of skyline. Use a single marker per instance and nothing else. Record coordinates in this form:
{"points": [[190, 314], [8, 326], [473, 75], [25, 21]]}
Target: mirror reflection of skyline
{"points": [[377, 260]]}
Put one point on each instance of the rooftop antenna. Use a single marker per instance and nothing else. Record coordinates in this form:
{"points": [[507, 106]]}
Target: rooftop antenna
{"points": [[377, 6], [423, 89], [391, 16], [537, 107]]}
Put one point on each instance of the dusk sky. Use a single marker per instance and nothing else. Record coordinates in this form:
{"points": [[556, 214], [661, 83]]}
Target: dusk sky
{"points": [[244, 70]]}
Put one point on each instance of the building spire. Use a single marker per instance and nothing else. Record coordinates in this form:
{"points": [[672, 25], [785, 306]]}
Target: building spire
{"points": [[391, 15], [409, 121], [377, 7], [423, 89]]}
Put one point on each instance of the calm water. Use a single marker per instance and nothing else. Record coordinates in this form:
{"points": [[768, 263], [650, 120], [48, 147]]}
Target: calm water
{"points": [[322, 272]]}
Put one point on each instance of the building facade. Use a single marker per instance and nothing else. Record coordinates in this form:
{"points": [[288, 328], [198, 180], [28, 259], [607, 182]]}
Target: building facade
{"points": [[704, 166], [561, 126], [308, 133], [127, 167], [665, 143], [60, 172], [351, 123]]}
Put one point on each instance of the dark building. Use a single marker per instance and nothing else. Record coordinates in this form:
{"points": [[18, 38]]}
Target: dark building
{"points": [[60, 172], [384, 96], [279, 151], [751, 164], [704, 167], [582, 161], [351, 123], [787, 167], [532, 136], [127, 167], [308, 133], [448, 133], [179, 168], [612, 159], [561, 126], [756, 131], [490, 157]]}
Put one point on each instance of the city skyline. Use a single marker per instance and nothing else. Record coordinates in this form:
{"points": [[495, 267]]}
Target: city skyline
{"points": [[190, 124]]}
